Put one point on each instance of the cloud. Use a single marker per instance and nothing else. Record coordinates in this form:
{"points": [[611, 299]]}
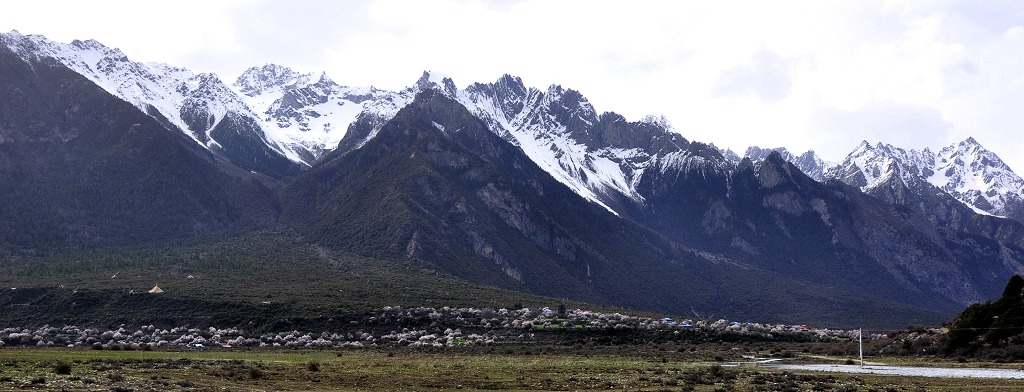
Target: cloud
{"points": [[768, 77], [903, 125]]}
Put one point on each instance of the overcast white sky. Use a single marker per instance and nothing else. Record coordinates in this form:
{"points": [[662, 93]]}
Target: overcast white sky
{"points": [[819, 75]]}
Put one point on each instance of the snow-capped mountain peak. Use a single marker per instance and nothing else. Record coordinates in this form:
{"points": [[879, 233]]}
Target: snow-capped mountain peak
{"points": [[304, 115], [195, 104], [868, 167], [146, 86], [436, 81], [601, 157], [964, 170], [258, 80], [978, 177], [728, 154], [659, 121]]}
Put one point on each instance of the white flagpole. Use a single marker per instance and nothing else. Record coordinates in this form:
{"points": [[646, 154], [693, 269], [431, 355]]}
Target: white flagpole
{"points": [[861, 333]]}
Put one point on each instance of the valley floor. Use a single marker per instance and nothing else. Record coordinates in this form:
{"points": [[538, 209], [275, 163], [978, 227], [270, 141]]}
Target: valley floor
{"points": [[490, 368]]}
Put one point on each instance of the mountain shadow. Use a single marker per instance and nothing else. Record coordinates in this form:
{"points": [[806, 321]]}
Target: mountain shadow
{"points": [[80, 168]]}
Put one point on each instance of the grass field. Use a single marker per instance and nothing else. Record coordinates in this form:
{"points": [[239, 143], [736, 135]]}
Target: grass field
{"points": [[259, 281], [379, 370]]}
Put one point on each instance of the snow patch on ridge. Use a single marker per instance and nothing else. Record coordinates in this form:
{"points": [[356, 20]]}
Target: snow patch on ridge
{"points": [[311, 111], [558, 129], [168, 90]]}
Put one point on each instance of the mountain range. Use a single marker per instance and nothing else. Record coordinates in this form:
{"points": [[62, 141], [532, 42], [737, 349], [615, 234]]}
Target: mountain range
{"points": [[497, 183], [965, 170]]}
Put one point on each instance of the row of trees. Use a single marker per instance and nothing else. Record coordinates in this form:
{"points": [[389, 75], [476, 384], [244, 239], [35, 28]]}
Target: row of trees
{"points": [[989, 325]]}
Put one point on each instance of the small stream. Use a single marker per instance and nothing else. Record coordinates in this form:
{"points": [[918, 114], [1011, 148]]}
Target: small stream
{"points": [[908, 370]]}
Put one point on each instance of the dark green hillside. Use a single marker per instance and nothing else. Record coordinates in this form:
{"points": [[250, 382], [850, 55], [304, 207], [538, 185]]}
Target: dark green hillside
{"points": [[266, 280], [80, 168]]}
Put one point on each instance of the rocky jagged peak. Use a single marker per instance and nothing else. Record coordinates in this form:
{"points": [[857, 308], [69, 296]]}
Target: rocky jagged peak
{"points": [[95, 46], [568, 97], [256, 80], [969, 150], [964, 170], [11, 37], [979, 178], [325, 80], [19, 42], [775, 169], [729, 154], [651, 137], [756, 153], [706, 151], [434, 113], [89, 44], [611, 118], [512, 85], [744, 164], [809, 162], [775, 158], [659, 121], [209, 83], [80, 55], [812, 165], [569, 107], [431, 80], [864, 146]]}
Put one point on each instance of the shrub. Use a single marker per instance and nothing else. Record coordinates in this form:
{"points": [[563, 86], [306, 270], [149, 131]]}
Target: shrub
{"points": [[255, 373], [715, 370], [62, 368]]}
